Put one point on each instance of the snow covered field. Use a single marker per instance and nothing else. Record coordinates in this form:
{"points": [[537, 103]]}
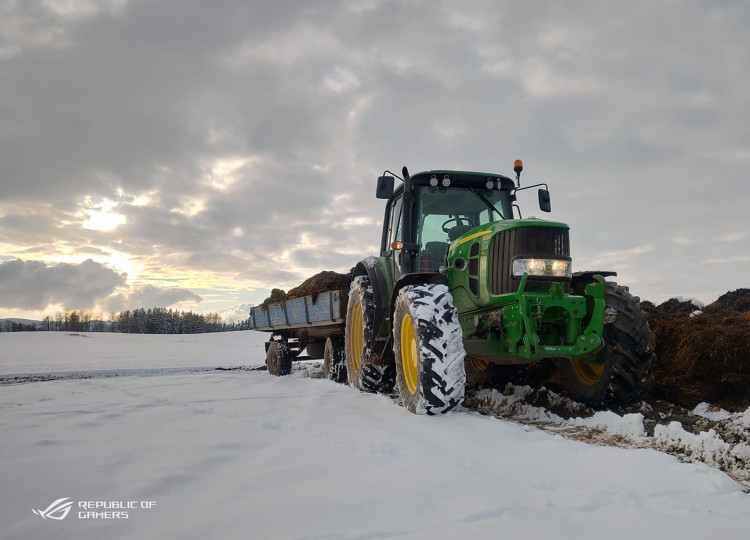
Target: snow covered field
{"points": [[185, 451]]}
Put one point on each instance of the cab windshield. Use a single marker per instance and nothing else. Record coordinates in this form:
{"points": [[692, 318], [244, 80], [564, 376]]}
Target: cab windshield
{"points": [[445, 214]]}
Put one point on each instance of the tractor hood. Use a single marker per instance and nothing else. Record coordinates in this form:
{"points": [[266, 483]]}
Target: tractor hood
{"points": [[491, 259], [503, 225]]}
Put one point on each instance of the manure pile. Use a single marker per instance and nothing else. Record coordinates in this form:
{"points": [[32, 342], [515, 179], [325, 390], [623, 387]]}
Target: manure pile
{"points": [[323, 282], [702, 355]]}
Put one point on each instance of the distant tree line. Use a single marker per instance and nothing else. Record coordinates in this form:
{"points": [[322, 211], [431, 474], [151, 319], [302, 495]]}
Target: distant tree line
{"points": [[13, 326], [167, 321], [76, 321], [136, 321]]}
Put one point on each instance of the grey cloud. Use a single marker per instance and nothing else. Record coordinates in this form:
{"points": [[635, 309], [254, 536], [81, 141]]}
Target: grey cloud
{"points": [[29, 223], [34, 285]]}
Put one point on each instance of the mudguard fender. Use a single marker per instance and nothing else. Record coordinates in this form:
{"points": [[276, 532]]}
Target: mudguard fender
{"points": [[378, 271]]}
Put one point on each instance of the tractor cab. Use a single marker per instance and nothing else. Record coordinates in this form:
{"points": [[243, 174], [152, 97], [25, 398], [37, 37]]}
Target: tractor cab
{"points": [[433, 209]]}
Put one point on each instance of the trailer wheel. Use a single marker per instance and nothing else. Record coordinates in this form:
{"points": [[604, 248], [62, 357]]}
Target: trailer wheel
{"points": [[279, 359], [429, 350], [360, 315], [334, 365], [620, 373]]}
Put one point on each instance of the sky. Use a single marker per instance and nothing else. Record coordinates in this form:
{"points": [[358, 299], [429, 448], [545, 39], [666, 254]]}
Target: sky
{"points": [[194, 155]]}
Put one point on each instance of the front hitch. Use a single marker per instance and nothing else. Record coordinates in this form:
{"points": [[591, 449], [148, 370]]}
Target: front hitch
{"points": [[523, 321]]}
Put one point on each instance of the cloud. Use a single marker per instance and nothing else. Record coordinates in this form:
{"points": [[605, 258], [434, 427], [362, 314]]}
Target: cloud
{"points": [[148, 296], [236, 313], [34, 285]]}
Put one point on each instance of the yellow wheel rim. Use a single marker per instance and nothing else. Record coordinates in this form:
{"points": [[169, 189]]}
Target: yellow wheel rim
{"points": [[357, 333], [589, 373], [409, 354], [479, 364]]}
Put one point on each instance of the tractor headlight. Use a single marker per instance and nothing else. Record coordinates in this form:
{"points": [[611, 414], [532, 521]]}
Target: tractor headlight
{"points": [[542, 268], [560, 268]]}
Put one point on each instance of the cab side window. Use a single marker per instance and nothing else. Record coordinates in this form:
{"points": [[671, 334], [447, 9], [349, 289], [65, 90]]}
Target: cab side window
{"points": [[394, 226]]}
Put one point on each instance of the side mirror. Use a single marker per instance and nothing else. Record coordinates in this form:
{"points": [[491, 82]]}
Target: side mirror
{"points": [[384, 189], [544, 201]]}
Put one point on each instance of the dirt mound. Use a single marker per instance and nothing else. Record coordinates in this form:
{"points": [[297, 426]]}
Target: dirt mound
{"points": [[277, 295], [738, 300], [319, 283], [671, 309], [704, 357]]}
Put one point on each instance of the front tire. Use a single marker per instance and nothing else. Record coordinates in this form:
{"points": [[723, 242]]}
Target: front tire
{"points": [[428, 350], [620, 373]]}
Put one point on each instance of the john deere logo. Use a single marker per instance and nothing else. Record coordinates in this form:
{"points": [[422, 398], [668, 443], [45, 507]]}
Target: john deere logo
{"points": [[57, 510]]}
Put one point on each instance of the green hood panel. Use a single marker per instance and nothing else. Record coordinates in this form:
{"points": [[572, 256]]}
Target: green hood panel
{"points": [[491, 229]]}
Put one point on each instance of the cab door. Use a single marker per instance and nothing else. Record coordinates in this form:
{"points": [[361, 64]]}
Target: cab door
{"points": [[394, 233]]}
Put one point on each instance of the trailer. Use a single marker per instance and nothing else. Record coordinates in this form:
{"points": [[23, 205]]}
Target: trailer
{"points": [[314, 322]]}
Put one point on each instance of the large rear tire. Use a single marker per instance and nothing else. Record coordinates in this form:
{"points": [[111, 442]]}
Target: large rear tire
{"points": [[279, 359], [358, 339], [428, 350], [620, 373]]}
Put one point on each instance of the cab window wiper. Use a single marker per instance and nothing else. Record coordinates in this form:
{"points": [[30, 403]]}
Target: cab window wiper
{"points": [[486, 201]]}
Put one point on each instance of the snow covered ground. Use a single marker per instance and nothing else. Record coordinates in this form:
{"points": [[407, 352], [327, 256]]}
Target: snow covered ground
{"points": [[187, 452]]}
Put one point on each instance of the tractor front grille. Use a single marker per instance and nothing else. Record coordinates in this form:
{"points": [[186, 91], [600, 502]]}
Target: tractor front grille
{"points": [[542, 242]]}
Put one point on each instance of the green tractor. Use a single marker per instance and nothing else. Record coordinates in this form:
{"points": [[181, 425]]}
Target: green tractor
{"points": [[462, 283]]}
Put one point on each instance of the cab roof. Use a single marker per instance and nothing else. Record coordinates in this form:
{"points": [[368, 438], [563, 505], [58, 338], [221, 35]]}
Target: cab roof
{"points": [[463, 178]]}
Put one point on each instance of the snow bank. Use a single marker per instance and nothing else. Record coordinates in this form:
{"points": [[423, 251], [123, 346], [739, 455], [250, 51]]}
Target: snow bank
{"points": [[512, 403], [708, 446], [706, 411], [629, 426]]}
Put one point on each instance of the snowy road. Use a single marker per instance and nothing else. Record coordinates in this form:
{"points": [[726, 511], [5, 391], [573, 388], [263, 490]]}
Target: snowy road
{"points": [[239, 454]]}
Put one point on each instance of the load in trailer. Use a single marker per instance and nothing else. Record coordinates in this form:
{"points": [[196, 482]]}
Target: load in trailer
{"points": [[463, 282]]}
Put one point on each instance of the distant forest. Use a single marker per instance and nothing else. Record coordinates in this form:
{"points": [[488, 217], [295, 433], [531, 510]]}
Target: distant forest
{"points": [[136, 321]]}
